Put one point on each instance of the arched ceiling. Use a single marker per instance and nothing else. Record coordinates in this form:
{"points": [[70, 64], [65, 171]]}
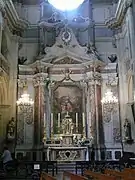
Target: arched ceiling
{"points": [[38, 1]]}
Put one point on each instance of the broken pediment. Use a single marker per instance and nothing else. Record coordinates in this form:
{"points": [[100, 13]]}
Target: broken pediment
{"points": [[66, 60], [67, 44]]}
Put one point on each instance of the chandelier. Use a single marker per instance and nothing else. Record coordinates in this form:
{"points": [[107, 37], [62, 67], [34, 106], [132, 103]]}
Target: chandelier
{"points": [[25, 100], [109, 101], [66, 5]]}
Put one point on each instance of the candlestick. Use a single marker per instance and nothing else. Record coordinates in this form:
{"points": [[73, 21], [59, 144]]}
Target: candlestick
{"points": [[76, 122], [83, 117], [44, 119], [90, 118], [51, 120], [58, 120], [76, 119]]}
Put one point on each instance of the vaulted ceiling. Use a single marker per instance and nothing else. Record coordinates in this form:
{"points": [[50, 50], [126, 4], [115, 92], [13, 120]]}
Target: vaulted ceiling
{"points": [[38, 1]]}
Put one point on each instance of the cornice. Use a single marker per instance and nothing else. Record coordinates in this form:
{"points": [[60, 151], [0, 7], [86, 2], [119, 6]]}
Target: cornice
{"points": [[15, 23], [117, 20]]}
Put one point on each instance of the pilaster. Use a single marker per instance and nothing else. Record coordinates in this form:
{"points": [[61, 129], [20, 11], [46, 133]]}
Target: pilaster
{"points": [[39, 108], [95, 115], [1, 28], [13, 51]]}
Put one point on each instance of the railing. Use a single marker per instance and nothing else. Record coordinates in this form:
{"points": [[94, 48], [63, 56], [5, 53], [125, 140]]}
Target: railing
{"points": [[28, 169], [24, 170], [97, 166]]}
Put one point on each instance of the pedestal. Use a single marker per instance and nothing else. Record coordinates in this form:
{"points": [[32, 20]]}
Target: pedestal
{"points": [[67, 140]]}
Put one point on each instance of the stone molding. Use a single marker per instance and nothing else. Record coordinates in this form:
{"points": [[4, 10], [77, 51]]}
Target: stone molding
{"points": [[16, 24], [121, 11]]}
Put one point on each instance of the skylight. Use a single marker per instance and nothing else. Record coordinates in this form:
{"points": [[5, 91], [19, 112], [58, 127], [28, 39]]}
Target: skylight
{"points": [[66, 5]]}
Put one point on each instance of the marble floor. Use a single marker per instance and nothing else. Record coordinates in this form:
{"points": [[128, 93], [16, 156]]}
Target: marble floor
{"points": [[60, 177]]}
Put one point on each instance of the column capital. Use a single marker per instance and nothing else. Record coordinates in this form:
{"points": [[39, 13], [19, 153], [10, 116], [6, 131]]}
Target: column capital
{"points": [[94, 77], [21, 82], [39, 79]]}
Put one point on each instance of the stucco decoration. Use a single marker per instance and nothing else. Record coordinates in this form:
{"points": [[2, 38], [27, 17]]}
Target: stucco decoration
{"points": [[66, 36], [121, 11], [116, 134], [68, 46]]}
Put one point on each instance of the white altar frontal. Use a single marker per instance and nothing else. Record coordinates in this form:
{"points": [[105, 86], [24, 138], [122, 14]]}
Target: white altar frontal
{"points": [[67, 153]]}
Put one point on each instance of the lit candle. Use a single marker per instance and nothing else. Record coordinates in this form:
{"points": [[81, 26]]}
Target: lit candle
{"points": [[76, 119], [44, 119], [51, 120], [58, 120], [83, 117]]}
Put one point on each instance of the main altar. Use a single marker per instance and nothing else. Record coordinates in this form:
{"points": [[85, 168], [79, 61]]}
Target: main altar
{"points": [[69, 146]]}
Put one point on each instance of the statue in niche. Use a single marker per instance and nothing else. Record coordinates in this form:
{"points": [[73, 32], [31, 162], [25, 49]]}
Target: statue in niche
{"points": [[11, 129], [127, 130]]}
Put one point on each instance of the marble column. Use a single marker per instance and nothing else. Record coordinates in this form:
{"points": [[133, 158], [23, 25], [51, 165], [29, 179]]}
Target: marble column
{"points": [[1, 28], [13, 51], [39, 108], [95, 119], [48, 111], [92, 110], [131, 28], [100, 138]]}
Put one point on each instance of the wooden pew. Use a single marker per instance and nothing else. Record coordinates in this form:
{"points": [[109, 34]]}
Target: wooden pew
{"points": [[73, 176], [130, 171], [115, 173], [127, 174], [45, 176], [99, 175]]}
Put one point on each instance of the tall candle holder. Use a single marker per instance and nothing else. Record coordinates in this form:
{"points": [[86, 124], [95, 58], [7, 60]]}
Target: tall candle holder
{"points": [[76, 123], [58, 133], [52, 137], [59, 125], [84, 125], [76, 129], [44, 136], [84, 132]]}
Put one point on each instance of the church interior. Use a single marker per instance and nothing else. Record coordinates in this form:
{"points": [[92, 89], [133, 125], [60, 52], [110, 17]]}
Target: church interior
{"points": [[67, 79]]}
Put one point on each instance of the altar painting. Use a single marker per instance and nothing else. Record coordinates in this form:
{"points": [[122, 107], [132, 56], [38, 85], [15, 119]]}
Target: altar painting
{"points": [[68, 99]]}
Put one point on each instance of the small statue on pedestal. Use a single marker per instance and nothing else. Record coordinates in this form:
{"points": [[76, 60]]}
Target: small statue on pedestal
{"points": [[127, 130], [67, 125], [11, 129]]}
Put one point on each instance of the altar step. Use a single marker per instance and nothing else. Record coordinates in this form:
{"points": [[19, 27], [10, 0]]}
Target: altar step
{"points": [[69, 166], [66, 167]]}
